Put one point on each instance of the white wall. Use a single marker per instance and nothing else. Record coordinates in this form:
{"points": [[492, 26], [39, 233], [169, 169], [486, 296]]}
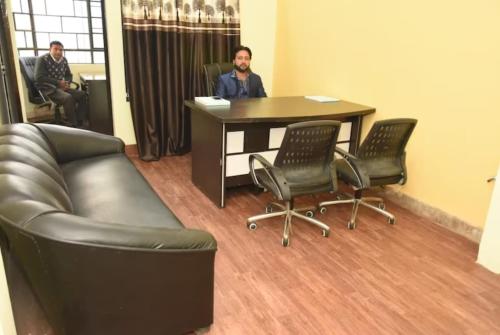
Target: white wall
{"points": [[122, 116], [489, 249], [7, 326]]}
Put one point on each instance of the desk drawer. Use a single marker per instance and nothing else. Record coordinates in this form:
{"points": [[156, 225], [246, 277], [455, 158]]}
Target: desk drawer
{"points": [[237, 165]]}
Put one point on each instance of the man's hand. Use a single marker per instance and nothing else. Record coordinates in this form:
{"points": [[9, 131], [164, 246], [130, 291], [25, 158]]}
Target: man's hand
{"points": [[64, 85]]}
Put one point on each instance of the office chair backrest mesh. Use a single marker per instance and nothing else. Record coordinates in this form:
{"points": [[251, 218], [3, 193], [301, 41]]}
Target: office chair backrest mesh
{"points": [[28, 72], [387, 139], [212, 73], [307, 149]]}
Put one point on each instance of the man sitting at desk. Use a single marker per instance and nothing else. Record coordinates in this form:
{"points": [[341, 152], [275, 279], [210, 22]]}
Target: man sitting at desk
{"points": [[53, 77], [241, 83]]}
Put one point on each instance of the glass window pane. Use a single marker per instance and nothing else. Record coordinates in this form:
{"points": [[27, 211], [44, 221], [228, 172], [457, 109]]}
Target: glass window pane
{"points": [[26, 53], [75, 25], [22, 21], [98, 41], [38, 6], [47, 23], [98, 57], [81, 57], [68, 40], [16, 6], [97, 30], [81, 8], [95, 9], [29, 39], [96, 24], [42, 52], [20, 40], [42, 40], [58, 7], [24, 6], [83, 41]]}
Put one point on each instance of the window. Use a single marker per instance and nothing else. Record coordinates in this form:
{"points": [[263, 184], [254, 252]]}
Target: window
{"points": [[77, 24]]}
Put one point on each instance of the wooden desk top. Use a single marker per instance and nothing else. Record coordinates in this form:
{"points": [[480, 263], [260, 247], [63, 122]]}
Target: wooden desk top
{"points": [[280, 109]]}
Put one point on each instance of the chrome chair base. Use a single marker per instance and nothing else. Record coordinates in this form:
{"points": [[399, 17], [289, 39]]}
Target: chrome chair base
{"points": [[288, 212], [360, 201]]}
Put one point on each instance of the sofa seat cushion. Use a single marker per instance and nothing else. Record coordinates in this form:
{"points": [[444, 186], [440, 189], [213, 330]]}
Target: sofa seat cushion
{"points": [[109, 188]]}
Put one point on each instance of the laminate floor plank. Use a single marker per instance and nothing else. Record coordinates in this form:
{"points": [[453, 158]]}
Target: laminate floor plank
{"points": [[414, 277]]}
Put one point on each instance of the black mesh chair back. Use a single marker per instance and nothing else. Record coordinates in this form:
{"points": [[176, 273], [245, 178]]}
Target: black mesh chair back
{"points": [[28, 72], [387, 139], [212, 73], [380, 161], [306, 153], [303, 166]]}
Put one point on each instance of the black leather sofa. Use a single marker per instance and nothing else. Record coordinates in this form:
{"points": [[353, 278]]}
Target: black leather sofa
{"points": [[99, 249]]}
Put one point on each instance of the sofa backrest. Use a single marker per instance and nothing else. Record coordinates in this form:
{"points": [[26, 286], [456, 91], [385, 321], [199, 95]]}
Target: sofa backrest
{"points": [[29, 174]]}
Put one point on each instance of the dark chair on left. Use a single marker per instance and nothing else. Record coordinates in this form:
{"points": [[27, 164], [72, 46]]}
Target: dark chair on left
{"points": [[36, 96], [303, 166], [212, 73]]}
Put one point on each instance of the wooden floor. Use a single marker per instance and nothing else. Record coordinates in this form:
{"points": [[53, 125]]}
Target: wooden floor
{"points": [[411, 278]]}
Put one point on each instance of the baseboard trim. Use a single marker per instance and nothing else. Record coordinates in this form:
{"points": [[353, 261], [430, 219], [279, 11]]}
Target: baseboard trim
{"points": [[437, 215]]}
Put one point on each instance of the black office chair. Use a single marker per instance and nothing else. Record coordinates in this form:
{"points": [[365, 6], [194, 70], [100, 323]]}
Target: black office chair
{"points": [[303, 166], [212, 73], [379, 161], [36, 96]]}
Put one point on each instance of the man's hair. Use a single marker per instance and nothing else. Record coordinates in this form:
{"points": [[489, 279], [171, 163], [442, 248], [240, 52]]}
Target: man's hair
{"points": [[56, 43], [240, 48]]}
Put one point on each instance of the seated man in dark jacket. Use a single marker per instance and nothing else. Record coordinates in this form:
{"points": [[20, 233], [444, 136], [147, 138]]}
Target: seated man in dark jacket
{"points": [[241, 83], [53, 76]]}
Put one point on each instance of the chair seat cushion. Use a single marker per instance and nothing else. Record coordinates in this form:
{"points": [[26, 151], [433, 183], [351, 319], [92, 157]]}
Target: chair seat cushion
{"points": [[299, 184], [380, 172], [109, 188]]}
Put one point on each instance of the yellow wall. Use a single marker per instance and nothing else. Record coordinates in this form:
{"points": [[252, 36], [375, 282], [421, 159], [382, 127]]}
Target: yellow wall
{"points": [[122, 116], [437, 61], [258, 31]]}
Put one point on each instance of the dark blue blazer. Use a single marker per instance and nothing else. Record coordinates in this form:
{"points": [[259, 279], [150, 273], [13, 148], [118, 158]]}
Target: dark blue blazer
{"points": [[227, 86]]}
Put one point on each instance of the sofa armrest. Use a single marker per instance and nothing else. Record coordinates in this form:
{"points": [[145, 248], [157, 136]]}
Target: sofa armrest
{"points": [[97, 278], [76, 229], [71, 144]]}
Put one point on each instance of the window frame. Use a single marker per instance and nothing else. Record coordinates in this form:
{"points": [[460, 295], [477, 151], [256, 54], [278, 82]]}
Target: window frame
{"points": [[38, 51]]}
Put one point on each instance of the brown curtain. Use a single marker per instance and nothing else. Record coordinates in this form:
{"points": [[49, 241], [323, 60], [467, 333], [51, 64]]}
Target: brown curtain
{"points": [[166, 45]]}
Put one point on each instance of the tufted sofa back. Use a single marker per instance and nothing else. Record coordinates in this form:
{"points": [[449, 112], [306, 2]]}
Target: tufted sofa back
{"points": [[29, 172]]}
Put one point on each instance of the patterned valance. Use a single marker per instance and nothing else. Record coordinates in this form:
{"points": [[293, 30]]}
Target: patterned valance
{"points": [[190, 15]]}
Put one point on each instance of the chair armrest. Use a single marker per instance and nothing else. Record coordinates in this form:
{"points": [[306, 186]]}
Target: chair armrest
{"points": [[71, 144], [274, 173], [75, 84], [357, 167]]}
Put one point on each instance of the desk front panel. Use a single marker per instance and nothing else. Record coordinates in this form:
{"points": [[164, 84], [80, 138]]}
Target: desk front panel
{"points": [[241, 140]]}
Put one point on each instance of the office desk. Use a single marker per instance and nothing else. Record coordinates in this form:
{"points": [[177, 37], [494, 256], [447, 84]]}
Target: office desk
{"points": [[222, 138], [100, 118]]}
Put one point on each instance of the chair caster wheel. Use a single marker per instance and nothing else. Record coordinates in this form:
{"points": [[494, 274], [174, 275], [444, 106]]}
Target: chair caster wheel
{"points": [[285, 241], [251, 225], [269, 209], [381, 205], [391, 221], [322, 210], [325, 233], [309, 214], [351, 225]]}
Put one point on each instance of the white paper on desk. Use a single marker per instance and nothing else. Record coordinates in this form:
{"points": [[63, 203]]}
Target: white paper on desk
{"points": [[212, 101], [321, 98]]}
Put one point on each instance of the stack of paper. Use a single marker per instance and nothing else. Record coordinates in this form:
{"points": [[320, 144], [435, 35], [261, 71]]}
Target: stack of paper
{"points": [[321, 98], [212, 101]]}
